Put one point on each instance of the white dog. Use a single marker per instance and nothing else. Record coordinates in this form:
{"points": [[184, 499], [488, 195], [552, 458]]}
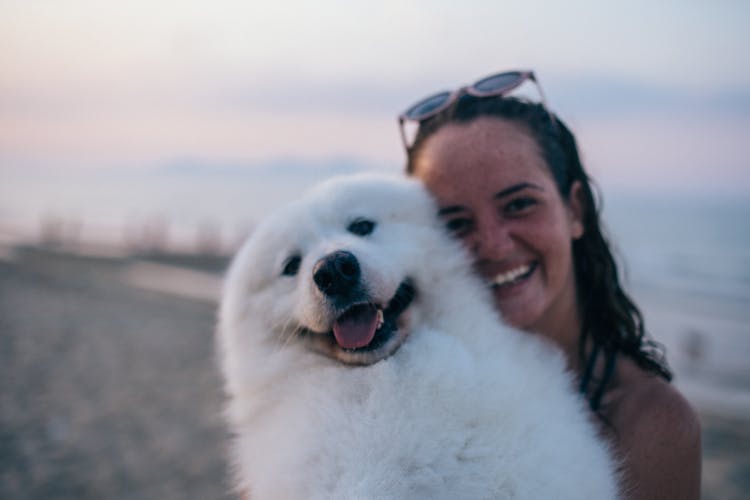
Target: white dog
{"points": [[364, 359]]}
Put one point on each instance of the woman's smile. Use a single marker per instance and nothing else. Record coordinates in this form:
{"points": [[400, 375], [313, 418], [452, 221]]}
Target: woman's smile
{"points": [[508, 279]]}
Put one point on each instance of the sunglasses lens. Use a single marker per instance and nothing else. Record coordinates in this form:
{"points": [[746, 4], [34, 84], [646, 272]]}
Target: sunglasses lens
{"points": [[498, 82], [427, 106]]}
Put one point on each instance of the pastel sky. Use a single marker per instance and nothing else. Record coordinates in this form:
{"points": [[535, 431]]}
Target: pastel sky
{"points": [[658, 93]]}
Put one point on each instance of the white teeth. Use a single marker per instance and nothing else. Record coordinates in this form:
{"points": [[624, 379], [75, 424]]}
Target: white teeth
{"points": [[380, 318], [510, 276]]}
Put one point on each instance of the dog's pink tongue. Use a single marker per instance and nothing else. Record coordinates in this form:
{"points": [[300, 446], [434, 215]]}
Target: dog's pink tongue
{"points": [[356, 327]]}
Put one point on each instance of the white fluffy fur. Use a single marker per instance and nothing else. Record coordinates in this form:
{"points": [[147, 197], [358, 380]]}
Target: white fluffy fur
{"points": [[466, 408]]}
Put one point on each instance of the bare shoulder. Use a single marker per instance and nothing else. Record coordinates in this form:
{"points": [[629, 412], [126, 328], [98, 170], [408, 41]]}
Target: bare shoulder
{"points": [[659, 437]]}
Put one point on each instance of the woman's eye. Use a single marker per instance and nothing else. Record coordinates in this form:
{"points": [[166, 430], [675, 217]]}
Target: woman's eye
{"points": [[458, 226], [519, 205], [361, 227], [291, 266]]}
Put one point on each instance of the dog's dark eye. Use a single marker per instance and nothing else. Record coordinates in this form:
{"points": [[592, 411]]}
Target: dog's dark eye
{"points": [[291, 266], [361, 227]]}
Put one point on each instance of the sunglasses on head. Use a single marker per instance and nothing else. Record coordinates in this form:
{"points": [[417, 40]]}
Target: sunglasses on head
{"points": [[490, 86]]}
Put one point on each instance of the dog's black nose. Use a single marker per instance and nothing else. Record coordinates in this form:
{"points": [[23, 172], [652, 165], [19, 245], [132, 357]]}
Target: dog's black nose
{"points": [[336, 273]]}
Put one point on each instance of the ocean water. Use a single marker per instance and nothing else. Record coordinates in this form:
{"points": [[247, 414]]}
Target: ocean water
{"points": [[697, 247], [111, 206], [686, 263], [685, 259], [670, 245]]}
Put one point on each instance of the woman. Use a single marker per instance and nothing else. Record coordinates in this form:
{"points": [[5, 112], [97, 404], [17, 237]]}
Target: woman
{"points": [[509, 182]]}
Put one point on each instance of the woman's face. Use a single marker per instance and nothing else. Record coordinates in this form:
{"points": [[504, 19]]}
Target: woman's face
{"points": [[496, 193]]}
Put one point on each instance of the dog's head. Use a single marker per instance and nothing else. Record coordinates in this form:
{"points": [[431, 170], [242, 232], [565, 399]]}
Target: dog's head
{"points": [[339, 271]]}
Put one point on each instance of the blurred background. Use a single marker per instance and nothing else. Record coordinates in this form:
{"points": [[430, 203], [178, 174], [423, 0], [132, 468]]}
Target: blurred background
{"points": [[141, 141]]}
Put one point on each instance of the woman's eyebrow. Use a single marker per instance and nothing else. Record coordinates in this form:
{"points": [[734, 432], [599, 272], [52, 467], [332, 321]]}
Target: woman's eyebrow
{"points": [[517, 187], [451, 210]]}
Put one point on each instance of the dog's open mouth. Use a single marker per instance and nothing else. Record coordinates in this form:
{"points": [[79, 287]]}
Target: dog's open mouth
{"points": [[365, 332], [356, 328], [368, 327]]}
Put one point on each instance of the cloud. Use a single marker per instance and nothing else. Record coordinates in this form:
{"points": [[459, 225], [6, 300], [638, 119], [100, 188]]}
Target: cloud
{"points": [[608, 95], [144, 82]]}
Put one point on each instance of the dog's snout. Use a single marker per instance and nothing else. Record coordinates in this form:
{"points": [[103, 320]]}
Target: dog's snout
{"points": [[336, 273]]}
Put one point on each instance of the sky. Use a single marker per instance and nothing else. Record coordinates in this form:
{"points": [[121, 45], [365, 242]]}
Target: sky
{"points": [[658, 93]]}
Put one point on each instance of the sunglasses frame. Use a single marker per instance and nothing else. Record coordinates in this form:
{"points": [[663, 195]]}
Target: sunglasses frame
{"points": [[522, 77]]}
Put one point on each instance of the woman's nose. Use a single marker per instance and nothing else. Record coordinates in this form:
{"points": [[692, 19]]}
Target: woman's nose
{"points": [[492, 240]]}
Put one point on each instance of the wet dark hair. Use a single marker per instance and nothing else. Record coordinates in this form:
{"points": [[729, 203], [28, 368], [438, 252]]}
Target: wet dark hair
{"points": [[609, 317]]}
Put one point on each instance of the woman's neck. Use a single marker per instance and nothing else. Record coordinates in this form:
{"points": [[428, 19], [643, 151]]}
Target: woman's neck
{"points": [[562, 325]]}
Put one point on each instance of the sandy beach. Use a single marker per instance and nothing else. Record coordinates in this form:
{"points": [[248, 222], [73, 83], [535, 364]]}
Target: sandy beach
{"points": [[109, 387], [108, 391]]}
